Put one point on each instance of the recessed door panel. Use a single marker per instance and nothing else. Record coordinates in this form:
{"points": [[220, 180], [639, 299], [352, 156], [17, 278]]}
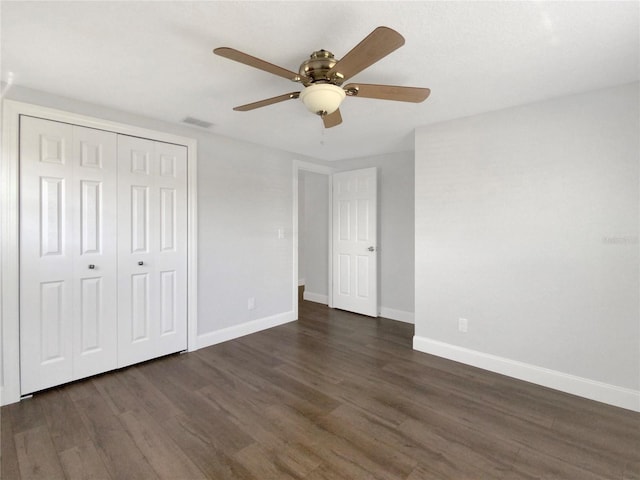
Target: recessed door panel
{"points": [[168, 302], [91, 316], [139, 307], [167, 165], [140, 160], [90, 154], [362, 276], [52, 215], [344, 220], [139, 218], [52, 330], [53, 148], [167, 219], [344, 266], [363, 217], [90, 211]]}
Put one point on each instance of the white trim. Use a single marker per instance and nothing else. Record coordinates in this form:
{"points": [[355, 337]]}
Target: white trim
{"points": [[313, 167], [399, 315], [330, 242], [9, 246], [584, 387], [301, 282], [237, 331], [9, 257], [315, 297], [192, 245], [294, 229]]}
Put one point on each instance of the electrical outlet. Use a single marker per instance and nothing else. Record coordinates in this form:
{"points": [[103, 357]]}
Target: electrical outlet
{"points": [[463, 325], [251, 303]]}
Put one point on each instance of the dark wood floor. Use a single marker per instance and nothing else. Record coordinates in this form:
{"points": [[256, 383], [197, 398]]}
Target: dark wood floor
{"points": [[332, 396]]}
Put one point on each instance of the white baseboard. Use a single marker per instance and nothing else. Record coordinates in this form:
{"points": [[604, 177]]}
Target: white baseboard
{"points": [[301, 282], [229, 333], [583, 387], [399, 315], [315, 297]]}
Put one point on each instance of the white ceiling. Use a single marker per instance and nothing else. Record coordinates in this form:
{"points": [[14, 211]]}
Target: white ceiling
{"points": [[155, 59]]}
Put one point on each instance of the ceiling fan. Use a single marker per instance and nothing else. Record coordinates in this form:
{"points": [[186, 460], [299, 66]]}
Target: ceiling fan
{"points": [[322, 76]]}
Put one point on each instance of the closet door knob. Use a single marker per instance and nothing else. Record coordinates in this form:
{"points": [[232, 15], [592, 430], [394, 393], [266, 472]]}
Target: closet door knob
{"points": [[140, 262]]}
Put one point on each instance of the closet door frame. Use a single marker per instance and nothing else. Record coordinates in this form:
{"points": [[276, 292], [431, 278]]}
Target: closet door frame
{"points": [[9, 228]]}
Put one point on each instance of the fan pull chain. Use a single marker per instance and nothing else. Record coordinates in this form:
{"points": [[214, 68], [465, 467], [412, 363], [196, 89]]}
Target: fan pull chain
{"points": [[322, 129]]}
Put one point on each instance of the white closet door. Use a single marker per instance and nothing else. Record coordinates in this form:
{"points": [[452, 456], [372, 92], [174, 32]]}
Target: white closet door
{"points": [[152, 234], [95, 276], [67, 314]]}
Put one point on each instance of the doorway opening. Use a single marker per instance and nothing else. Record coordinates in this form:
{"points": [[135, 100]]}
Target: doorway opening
{"points": [[313, 236]]}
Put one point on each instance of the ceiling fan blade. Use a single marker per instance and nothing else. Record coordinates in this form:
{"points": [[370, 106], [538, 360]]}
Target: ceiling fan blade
{"points": [[388, 92], [332, 119], [267, 101], [238, 56], [378, 44]]}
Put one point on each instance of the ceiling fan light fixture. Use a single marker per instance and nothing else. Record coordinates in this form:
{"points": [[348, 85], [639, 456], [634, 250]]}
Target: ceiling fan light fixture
{"points": [[322, 98]]}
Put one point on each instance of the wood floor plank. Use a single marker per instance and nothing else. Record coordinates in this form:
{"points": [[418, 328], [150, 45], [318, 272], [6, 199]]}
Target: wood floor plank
{"points": [[262, 464], [152, 399], [63, 419], [26, 415], [37, 456], [117, 450], [117, 395], [164, 456], [631, 471], [9, 467], [215, 463], [82, 462]]}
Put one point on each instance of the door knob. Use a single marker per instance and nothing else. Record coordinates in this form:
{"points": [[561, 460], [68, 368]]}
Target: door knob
{"points": [[92, 266], [140, 262], [371, 249]]}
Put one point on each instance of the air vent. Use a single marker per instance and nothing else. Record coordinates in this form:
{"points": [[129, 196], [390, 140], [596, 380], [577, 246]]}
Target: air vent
{"points": [[197, 122]]}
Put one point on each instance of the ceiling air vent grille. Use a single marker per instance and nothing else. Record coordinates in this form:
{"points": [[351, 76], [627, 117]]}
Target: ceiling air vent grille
{"points": [[197, 122]]}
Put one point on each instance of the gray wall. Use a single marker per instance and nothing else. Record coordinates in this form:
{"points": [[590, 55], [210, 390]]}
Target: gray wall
{"points": [[527, 225]]}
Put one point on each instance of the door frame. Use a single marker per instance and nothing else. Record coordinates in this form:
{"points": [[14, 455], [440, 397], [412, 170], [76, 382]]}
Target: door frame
{"points": [[299, 166], [10, 238]]}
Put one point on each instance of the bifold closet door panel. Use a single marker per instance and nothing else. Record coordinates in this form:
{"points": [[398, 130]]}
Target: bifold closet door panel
{"points": [[95, 263], [151, 249], [171, 256], [67, 312]]}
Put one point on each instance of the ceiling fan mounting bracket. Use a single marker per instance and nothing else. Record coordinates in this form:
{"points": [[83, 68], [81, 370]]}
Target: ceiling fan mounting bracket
{"points": [[316, 68]]}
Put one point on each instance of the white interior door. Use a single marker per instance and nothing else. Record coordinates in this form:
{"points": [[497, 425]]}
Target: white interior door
{"points": [[354, 262], [67, 309], [152, 256]]}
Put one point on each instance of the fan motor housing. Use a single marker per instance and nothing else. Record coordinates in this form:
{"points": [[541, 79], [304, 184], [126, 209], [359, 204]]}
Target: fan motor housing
{"points": [[315, 69]]}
